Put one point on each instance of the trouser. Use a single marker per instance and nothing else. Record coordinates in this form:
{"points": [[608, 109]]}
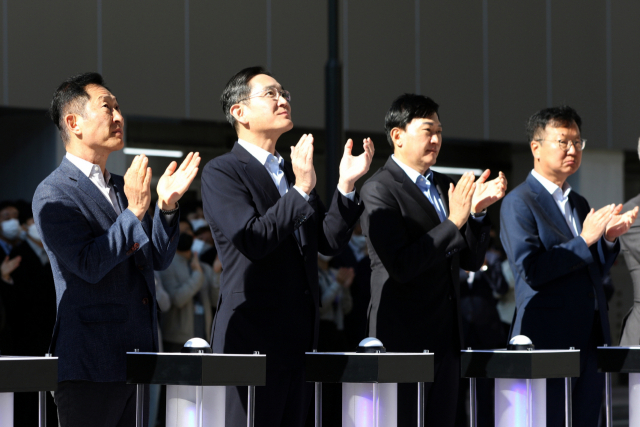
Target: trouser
{"points": [[86, 403], [283, 402], [587, 389]]}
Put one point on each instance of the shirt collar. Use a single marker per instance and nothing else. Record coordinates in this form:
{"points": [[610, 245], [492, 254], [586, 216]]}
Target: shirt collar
{"points": [[263, 156], [88, 168], [553, 189], [413, 174]]}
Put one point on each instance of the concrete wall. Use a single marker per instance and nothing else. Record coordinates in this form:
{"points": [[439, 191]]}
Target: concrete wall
{"points": [[490, 63]]}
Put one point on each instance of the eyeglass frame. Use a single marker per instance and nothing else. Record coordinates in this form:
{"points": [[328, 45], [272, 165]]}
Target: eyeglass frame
{"points": [[569, 144], [281, 93]]}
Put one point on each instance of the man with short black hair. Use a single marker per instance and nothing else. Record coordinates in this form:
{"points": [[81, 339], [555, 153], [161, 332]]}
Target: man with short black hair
{"points": [[560, 250], [419, 236], [103, 249], [269, 225]]}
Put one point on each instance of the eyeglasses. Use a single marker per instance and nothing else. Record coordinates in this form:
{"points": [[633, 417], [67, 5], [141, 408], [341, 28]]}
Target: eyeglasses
{"points": [[578, 144], [270, 93]]}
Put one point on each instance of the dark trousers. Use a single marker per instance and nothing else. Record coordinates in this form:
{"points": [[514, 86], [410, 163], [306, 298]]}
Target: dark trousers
{"points": [[587, 389], [283, 402], [86, 403]]}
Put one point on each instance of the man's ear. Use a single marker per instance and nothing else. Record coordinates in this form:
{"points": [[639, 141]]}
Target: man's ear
{"points": [[535, 150], [396, 134], [238, 111], [72, 122]]}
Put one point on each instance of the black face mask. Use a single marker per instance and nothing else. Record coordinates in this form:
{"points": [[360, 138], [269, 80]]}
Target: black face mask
{"points": [[185, 242]]}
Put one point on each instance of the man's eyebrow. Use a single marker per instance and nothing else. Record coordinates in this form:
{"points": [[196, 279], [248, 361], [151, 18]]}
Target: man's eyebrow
{"points": [[107, 97]]}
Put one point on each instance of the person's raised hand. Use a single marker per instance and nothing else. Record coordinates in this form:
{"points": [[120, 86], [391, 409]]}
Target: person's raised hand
{"points": [[620, 223], [195, 263], [345, 276], [595, 223], [176, 181], [488, 192], [137, 186], [460, 197], [302, 163], [9, 266], [353, 167]]}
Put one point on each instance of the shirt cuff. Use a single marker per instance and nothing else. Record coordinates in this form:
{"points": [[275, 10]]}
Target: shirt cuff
{"points": [[479, 216], [351, 196], [609, 244], [302, 193]]}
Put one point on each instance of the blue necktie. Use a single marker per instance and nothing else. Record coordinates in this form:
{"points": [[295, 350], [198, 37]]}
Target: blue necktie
{"points": [[426, 186]]}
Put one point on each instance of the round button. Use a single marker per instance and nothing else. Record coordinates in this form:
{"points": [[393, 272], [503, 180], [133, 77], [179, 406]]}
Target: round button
{"points": [[145, 301]]}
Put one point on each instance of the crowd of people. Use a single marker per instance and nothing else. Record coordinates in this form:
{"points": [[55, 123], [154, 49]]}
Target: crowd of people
{"points": [[93, 269]]}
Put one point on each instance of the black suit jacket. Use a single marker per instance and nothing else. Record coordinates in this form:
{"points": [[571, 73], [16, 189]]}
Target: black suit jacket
{"points": [[269, 293], [415, 260]]}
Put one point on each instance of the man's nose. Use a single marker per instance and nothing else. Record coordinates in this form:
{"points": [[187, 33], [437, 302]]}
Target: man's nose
{"points": [[282, 101], [117, 116]]}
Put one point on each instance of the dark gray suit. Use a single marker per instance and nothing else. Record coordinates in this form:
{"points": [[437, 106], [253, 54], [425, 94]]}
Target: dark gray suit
{"points": [[630, 246]]}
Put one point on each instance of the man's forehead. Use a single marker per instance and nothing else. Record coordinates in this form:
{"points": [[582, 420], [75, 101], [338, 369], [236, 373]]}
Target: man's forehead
{"points": [[99, 92], [562, 129], [432, 120]]}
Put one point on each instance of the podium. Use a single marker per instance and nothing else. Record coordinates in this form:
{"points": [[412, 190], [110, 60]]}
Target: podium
{"points": [[26, 373], [195, 392], [520, 382], [624, 360], [369, 384]]}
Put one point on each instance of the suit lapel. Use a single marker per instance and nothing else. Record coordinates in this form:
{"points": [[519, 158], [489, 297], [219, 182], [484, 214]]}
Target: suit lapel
{"points": [[442, 183], [90, 189], [411, 189], [118, 186], [257, 173], [579, 211], [545, 200]]}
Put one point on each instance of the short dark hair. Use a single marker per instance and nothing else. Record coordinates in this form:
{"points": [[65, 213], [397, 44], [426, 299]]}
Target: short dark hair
{"points": [[238, 88], [71, 97], [405, 108], [554, 116]]}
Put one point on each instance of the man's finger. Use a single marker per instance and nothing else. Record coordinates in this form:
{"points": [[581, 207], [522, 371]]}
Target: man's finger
{"points": [[147, 179], [348, 147], [170, 169], [186, 161], [143, 166], [483, 178]]}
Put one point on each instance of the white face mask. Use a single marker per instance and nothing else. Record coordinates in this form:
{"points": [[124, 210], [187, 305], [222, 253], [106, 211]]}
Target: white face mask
{"points": [[11, 228], [33, 233], [325, 258], [198, 223]]}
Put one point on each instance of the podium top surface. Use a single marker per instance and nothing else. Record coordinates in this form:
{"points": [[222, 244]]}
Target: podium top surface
{"points": [[369, 367], [520, 364], [28, 373], [207, 369], [619, 359]]}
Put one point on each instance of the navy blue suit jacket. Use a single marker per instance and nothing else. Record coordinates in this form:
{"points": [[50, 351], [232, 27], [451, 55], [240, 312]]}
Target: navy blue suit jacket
{"points": [[269, 293], [103, 270], [558, 277]]}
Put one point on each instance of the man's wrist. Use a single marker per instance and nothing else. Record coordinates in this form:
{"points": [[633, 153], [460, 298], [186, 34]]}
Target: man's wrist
{"points": [[174, 209], [479, 214], [346, 187], [166, 206]]}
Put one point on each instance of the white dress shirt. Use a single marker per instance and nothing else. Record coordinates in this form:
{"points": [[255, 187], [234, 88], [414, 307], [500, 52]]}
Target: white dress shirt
{"points": [[99, 178], [274, 166]]}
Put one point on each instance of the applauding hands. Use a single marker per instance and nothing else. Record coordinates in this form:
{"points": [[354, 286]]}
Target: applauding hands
{"points": [[473, 197], [171, 186]]}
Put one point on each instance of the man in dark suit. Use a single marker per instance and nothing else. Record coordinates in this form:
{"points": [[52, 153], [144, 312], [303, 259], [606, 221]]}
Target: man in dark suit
{"points": [[559, 250], [420, 234], [103, 248], [269, 225]]}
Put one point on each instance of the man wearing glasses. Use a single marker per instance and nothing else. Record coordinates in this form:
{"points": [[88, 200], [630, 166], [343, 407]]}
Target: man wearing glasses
{"points": [[269, 225], [559, 249]]}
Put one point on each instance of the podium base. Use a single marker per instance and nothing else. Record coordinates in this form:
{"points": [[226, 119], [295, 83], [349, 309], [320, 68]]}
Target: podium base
{"points": [[196, 406], [6, 409], [366, 404], [521, 402]]}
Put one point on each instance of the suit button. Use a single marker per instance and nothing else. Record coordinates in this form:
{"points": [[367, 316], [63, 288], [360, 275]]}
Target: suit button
{"points": [[306, 292], [145, 301], [141, 267]]}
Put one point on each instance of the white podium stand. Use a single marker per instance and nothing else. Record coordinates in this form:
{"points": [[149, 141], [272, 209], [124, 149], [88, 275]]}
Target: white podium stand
{"points": [[520, 378], [26, 373], [624, 360], [369, 384], [195, 384]]}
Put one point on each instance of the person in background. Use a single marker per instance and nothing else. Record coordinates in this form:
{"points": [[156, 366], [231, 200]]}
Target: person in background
{"points": [[630, 246], [336, 303], [30, 296], [11, 229], [189, 284]]}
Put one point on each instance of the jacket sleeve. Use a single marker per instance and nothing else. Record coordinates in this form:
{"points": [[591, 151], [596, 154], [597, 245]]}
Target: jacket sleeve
{"points": [[533, 261], [68, 234], [404, 256], [164, 238], [335, 225]]}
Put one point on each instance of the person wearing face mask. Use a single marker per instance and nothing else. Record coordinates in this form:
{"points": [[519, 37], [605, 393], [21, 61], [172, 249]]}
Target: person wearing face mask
{"points": [[189, 284], [30, 303], [11, 230]]}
